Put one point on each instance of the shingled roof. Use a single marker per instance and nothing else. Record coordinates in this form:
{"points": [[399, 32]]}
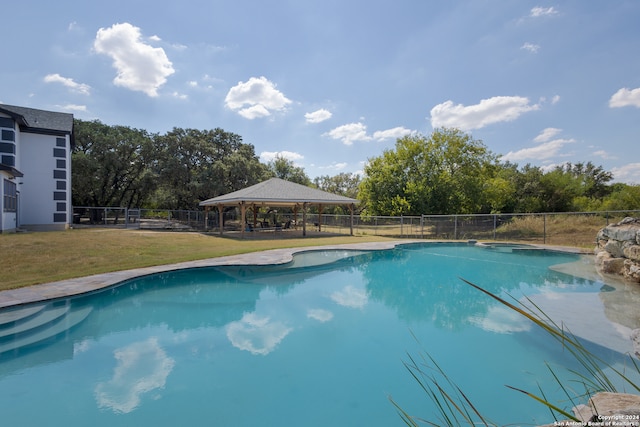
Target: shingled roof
{"points": [[279, 192], [40, 121]]}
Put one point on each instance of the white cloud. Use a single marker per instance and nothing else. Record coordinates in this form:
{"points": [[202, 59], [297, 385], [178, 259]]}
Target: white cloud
{"points": [[142, 367], [538, 11], [555, 99], [629, 173], [140, 67], [547, 134], [335, 166], [350, 133], [318, 116], [543, 151], [531, 47], [488, 111], [257, 97], [81, 88], [395, 133], [502, 320], [73, 107], [603, 154], [350, 296], [255, 334], [268, 156], [625, 98], [353, 132], [319, 314]]}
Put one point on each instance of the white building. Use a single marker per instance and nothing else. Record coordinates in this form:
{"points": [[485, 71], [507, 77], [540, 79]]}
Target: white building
{"points": [[35, 169]]}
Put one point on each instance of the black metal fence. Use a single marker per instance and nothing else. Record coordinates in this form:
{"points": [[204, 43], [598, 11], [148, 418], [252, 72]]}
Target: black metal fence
{"points": [[575, 228]]}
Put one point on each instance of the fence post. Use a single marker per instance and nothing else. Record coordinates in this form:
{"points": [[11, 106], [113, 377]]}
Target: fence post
{"points": [[422, 226], [495, 225], [544, 229], [401, 225], [126, 217], [455, 227]]}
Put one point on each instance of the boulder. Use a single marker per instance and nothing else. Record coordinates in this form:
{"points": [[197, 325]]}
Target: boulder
{"points": [[618, 249], [613, 409]]}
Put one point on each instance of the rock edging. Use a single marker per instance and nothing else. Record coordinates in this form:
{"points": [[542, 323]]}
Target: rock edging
{"points": [[618, 249]]}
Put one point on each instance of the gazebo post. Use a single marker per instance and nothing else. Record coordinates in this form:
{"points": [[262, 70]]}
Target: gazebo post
{"points": [[221, 217], [304, 219], [206, 218], [255, 215], [351, 209], [243, 216], [320, 217]]}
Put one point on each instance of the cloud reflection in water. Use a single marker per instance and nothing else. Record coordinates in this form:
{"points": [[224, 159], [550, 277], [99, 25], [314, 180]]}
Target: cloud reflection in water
{"points": [[141, 367]]}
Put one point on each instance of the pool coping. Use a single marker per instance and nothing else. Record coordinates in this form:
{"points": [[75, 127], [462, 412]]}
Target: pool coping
{"points": [[82, 285]]}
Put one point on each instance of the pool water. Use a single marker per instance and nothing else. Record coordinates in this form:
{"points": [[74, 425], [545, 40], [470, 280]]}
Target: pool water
{"points": [[320, 341]]}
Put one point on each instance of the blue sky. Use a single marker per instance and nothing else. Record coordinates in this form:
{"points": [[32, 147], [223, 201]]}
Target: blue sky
{"points": [[330, 84]]}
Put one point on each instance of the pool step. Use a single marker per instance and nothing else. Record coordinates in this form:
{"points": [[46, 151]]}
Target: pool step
{"points": [[42, 318], [18, 314], [56, 324]]}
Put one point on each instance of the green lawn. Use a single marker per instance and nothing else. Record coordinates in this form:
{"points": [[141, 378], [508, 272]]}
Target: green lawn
{"points": [[33, 258]]}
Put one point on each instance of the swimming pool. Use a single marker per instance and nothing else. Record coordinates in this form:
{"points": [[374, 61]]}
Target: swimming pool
{"points": [[315, 342]]}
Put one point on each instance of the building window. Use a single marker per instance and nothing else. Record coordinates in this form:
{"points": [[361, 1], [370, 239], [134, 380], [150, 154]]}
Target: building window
{"points": [[7, 147], [8, 160], [10, 196], [59, 152], [6, 122], [61, 163], [61, 142], [8, 135]]}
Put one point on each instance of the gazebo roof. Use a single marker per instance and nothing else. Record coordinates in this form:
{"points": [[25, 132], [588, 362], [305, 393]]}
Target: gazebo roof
{"points": [[279, 192]]}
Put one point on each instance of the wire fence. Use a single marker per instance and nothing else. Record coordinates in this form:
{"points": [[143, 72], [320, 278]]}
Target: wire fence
{"points": [[574, 228]]}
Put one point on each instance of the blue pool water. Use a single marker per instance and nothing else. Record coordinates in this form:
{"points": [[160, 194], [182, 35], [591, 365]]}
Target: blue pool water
{"points": [[320, 341]]}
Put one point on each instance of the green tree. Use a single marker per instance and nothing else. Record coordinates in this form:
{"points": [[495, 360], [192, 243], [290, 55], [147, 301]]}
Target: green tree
{"points": [[195, 165], [444, 173], [283, 168], [111, 165], [344, 184]]}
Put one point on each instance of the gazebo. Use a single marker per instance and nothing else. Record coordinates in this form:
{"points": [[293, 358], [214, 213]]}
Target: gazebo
{"points": [[276, 192]]}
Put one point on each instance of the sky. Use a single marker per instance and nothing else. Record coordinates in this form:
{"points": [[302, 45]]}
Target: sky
{"points": [[330, 84]]}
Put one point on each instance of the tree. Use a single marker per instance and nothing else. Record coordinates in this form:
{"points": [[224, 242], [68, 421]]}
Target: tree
{"points": [[111, 165], [443, 173], [283, 168], [195, 165], [345, 184]]}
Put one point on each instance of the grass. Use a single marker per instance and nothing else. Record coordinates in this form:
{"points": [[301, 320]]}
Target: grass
{"points": [[50, 256]]}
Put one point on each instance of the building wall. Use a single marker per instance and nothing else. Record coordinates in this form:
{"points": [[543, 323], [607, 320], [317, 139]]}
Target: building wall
{"points": [[45, 189]]}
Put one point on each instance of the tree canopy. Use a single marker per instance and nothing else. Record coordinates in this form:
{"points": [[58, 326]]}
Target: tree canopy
{"points": [[445, 172]]}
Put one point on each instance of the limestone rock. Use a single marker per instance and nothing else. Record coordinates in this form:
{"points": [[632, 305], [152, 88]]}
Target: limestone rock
{"points": [[619, 408], [609, 264], [632, 270], [632, 252], [618, 249]]}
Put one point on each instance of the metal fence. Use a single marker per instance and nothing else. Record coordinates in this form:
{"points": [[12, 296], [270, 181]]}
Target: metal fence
{"points": [[575, 228]]}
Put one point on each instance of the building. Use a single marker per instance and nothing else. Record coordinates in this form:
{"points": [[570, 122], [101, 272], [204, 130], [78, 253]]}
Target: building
{"points": [[35, 169]]}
